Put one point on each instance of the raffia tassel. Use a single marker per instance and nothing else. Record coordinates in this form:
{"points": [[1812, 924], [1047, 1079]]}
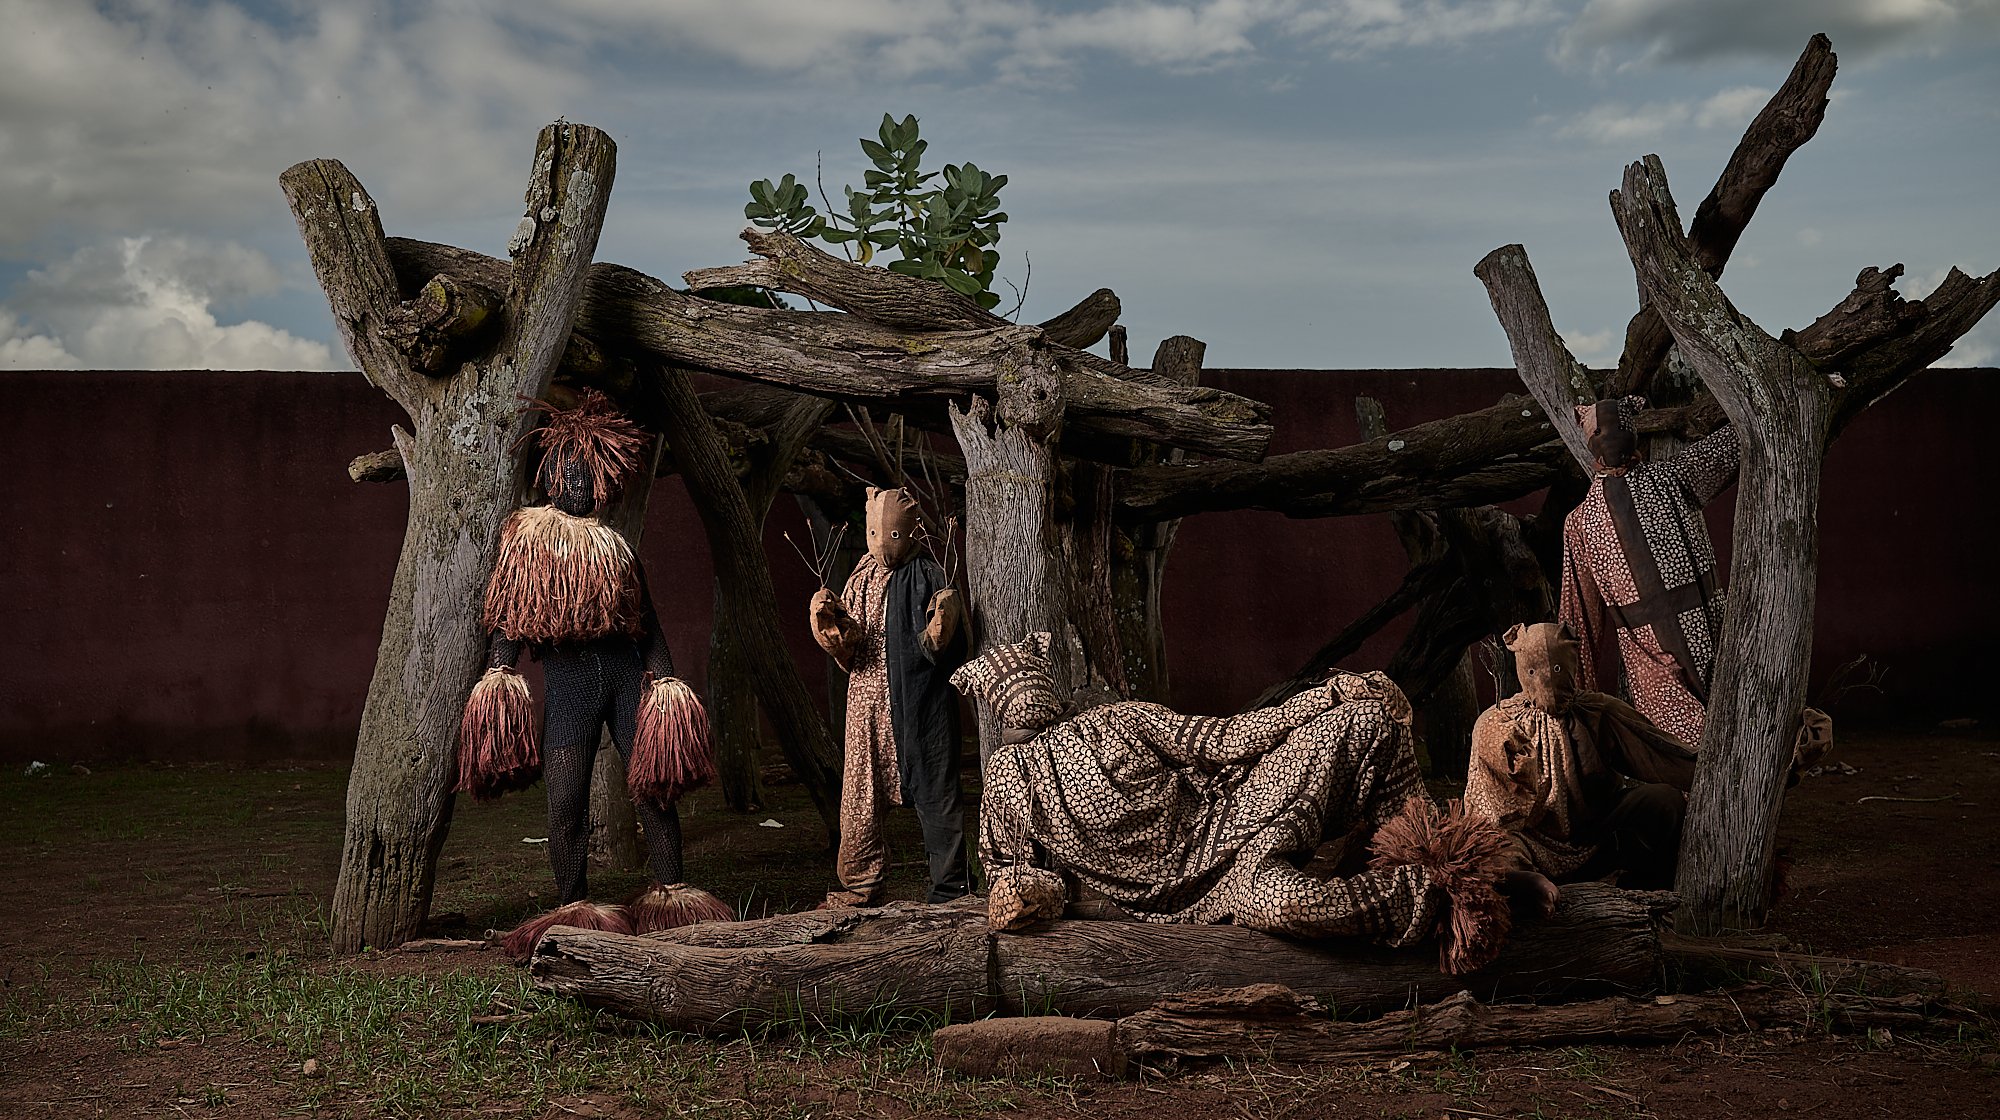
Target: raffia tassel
{"points": [[520, 941], [671, 754], [499, 750], [674, 905], [1467, 856], [561, 578]]}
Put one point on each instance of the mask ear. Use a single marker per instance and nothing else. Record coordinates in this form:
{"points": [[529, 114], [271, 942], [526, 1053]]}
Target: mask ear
{"points": [[872, 491], [1563, 629], [1512, 638]]}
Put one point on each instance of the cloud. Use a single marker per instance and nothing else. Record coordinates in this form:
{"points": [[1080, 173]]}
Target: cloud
{"points": [[1596, 348], [111, 116], [149, 303], [1641, 31], [1614, 123]]}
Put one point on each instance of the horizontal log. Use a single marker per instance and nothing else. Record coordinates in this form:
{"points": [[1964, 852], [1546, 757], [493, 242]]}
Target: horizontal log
{"points": [[1495, 454], [847, 358], [1274, 1023], [787, 264], [941, 959]]}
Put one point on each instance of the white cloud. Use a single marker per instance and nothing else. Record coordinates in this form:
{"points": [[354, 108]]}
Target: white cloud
{"points": [[1615, 123], [148, 303], [1596, 348], [1607, 31]]}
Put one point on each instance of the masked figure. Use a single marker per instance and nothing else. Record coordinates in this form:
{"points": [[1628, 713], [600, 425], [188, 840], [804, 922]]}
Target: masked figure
{"points": [[1584, 784], [1637, 562], [897, 629], [1180, 818], [567, 588]]}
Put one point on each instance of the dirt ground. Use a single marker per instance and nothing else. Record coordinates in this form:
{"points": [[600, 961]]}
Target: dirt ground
{"points": [[164, 955]]}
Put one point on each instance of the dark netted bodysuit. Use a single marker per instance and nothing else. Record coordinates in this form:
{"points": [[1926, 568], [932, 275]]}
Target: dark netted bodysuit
{"points": [[587, 686]]}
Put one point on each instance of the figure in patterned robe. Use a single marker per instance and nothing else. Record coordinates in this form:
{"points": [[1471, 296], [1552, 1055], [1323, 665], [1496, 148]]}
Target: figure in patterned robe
{"points": [[1180, 818], [1637, 563], [895, 629], [1582, 783]]}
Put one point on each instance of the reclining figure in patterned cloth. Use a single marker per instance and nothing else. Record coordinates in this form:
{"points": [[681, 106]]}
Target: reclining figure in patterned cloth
{"points": [[1181, 818]]}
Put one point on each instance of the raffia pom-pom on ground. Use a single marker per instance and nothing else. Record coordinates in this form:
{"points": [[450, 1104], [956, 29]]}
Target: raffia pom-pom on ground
{"points": [[561, 578], [673, 905], [498, 748], [520, 941], [671, 753], [1467, 856]]}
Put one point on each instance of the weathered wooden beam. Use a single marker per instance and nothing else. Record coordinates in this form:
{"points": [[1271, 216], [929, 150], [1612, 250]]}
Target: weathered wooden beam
{"points": [[1556, 379], [727, 975], [891, 299], [1494, 454], [1788, 120], [848, 358], [1269, 1022]]}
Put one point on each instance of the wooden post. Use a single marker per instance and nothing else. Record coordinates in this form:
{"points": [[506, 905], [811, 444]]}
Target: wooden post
{"points": [[1785, 397], [1013, 551], [464, 477]]}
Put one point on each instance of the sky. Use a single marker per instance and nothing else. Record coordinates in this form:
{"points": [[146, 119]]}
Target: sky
{"points": [[1299, 184]]}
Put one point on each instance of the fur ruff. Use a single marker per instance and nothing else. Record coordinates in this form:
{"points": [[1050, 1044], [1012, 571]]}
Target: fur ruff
{"points": [[671, 754], [1467, 855], [561, 578], [499, 748], [596, 434], [520, 941], [672, 906]]}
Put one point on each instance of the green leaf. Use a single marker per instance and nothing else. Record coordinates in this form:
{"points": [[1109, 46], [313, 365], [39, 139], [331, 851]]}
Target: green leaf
{"points": [[906, 267], [987, 300], [960, 282]]}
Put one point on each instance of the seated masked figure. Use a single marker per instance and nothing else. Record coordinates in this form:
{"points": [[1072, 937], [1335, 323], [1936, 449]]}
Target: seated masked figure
{"points": [[1585, 785], [1181, 818]]}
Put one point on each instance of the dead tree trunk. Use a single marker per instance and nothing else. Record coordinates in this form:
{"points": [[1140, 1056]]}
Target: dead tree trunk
{"points": [[1014, 566], [1785, 397], [464, 478], [743, 573], [1139, 563], [733, 708], [942, 959]]}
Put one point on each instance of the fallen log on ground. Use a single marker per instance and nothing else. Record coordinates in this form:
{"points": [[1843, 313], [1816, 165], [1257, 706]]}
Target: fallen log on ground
{"points": [[1274, 1023], [822, 965]]}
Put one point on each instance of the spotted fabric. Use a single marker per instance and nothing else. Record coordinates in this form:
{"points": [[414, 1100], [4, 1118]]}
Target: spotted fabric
{"points": [[871, 777], [1601, 582], [1016, 681], [1183, 818], [1552, 779]]}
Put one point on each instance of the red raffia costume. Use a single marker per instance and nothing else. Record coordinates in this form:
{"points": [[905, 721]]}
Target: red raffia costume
{"points": [[568, 587]]}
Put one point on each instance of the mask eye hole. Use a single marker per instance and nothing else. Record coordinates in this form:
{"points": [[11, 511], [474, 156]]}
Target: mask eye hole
{"points": [[895, 534]]}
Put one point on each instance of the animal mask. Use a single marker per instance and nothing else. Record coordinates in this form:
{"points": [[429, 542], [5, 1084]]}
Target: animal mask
{"points": [[894, 523], [1546, 660]]}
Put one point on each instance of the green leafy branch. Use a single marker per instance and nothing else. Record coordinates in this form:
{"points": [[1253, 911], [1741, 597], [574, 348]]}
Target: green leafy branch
{"points": [[943, 225]]}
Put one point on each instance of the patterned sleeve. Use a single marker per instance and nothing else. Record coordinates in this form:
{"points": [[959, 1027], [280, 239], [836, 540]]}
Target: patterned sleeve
{"points": [[1582, 609], [1708, 465], [1225, 740]]}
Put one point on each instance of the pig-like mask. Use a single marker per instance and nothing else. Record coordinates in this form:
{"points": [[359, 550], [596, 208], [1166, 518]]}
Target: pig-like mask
{"points": [[1546, 660], [894, 525]]}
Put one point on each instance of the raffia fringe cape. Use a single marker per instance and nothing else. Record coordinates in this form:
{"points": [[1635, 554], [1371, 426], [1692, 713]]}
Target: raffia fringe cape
{"points": [[561, 578]]}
